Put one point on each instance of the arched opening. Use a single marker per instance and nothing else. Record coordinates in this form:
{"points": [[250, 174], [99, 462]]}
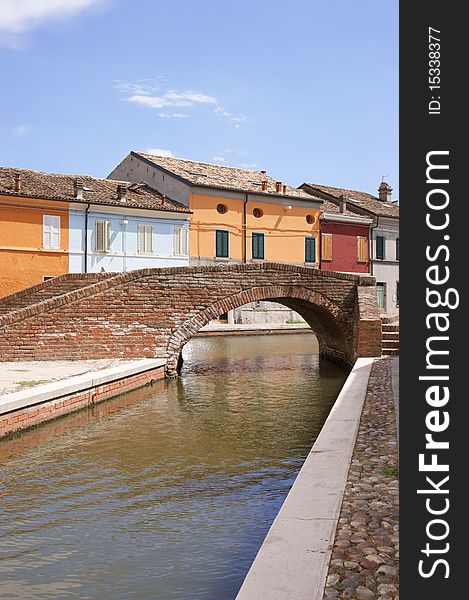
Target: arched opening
{"points": [[325, 318]]}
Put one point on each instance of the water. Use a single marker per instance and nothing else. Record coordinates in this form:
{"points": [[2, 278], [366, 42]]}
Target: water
{"points": [[165, 493]]}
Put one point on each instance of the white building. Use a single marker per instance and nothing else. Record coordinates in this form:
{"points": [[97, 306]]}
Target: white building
{"points": [[119, 226]]}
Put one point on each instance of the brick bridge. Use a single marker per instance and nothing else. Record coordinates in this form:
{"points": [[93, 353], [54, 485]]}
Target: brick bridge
{"points": [[154, 312]]}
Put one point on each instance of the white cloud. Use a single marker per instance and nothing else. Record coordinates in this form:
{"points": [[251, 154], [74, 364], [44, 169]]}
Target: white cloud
{"points": [[146, 93], [218, 159], [164, 115], [159, 152], [247, 165], [20, 130], [19, 16], [172, 98]]}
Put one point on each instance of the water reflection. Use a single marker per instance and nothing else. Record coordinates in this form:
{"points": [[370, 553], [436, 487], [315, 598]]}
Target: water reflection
{"points": [[167, 492]]}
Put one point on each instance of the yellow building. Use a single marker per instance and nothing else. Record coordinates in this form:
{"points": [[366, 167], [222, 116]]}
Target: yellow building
{"points": [[237, 214]]}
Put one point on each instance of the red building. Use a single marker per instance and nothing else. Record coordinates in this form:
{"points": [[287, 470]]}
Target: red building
{"points": [[345, 239]]}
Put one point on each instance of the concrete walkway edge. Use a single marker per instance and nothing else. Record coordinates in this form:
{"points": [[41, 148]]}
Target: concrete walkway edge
{"points": [[294, 557], [64, 387]]}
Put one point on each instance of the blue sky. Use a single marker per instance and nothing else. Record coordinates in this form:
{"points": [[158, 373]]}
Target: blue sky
{"points": [[307, 90]]}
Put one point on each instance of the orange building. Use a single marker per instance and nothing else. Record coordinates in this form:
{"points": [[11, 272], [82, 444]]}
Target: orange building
{"points": [[33, 235], [236, 214]]}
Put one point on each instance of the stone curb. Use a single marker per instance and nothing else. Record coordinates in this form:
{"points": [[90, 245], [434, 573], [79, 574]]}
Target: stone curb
{"points": [[294, 558], [71, 385]]}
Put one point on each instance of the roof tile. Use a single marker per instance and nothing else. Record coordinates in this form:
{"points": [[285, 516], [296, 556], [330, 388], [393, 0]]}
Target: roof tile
{"points": [[52, 186]]}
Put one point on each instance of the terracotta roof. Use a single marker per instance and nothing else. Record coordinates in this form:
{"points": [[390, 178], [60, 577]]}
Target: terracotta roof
{"points": [[52, 186], [222, 177], [328, 207], [360, 200]]}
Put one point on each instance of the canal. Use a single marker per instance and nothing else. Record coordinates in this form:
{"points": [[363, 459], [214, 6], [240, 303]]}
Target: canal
{"points": [[167, 492]]}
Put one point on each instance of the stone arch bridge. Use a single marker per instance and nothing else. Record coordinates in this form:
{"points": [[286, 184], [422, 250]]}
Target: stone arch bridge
{"points": [[154, 312]]}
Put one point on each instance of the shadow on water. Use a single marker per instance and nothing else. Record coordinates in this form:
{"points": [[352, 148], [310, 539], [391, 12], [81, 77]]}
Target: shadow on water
{"points": [[166, 492]]}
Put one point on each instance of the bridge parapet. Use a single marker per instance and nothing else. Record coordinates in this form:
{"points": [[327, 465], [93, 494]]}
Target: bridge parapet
{"points": [[153, 312]]}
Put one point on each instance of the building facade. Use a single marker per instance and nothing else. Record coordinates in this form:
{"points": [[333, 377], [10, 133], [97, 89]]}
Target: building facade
{"points": [[238, 215], [383, 236], [345, 239], [52, 224]]}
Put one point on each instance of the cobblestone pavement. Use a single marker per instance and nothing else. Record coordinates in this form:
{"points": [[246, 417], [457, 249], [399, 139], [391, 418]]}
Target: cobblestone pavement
{"points": [[365, 555]]}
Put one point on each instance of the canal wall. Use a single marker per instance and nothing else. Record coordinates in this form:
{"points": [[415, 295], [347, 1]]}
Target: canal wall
{"points": [[294, 558], [26, 408]]}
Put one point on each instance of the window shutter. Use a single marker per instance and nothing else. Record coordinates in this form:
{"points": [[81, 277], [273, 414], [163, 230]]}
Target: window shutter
{"points": [[362, 244], [107, 236], [380, 252], [149, 238], [258, 245], [397, 248], [51, 232], [102, 233], [310, 249], [181, 241], [221, 243], [141, 238], [185, 241], [326, 250]]}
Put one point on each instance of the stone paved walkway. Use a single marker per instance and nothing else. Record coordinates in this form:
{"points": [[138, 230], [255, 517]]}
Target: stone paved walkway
{"points": [[365, 555]]}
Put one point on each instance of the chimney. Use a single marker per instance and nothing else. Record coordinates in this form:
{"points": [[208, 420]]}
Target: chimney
{"points": [[264, 172], [122, 192], [384, 191], [343, 204], [17, 182], [163, 200], [264, 184], [78, 189], [284, 189], [278, 187]]}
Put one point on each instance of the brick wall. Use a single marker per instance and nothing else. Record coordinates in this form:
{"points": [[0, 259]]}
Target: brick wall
{"points": [[24, 418], [153, 312]]}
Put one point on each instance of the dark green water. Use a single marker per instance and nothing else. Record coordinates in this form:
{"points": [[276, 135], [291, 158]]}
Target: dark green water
{"points": [[165, 493]]}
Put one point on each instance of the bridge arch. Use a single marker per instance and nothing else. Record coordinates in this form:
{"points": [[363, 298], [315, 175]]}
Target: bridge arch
{"points": [[327, 320], [152, 313]]}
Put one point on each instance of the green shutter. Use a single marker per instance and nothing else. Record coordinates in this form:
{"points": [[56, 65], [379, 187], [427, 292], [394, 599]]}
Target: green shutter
{"points": [[379, 246], [258, 245], [221, 244], [310, 249]]}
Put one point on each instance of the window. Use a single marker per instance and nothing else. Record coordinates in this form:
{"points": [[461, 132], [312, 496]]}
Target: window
{"points": [[397, 248], [309, 219], [258, 212], [381, 295], [380, 247], [397, 293], [258, 245], [222, 208], [181, 241], [145, 239], [48, 277], [362, 249], [50, 232], [326, 246], [221, 243], [310, 249], [102, 236]]}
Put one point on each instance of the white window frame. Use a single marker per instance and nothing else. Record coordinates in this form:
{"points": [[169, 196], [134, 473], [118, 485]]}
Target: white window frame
{"points": [[145, 238], [51, 232], [181, 241], [106, 236]]}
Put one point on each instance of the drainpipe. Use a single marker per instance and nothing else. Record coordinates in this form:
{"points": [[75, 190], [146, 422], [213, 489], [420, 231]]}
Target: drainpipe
{"points": [[245, 228], [371, 243], [86, 237]]}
